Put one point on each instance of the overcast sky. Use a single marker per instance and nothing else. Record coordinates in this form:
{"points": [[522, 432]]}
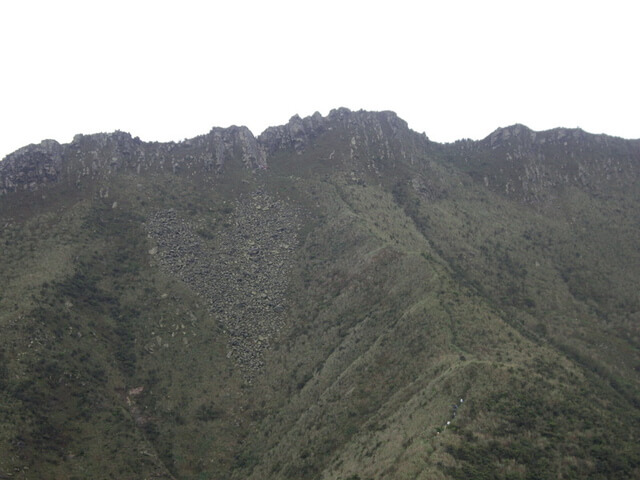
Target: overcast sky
{"points": [[168, 70]]}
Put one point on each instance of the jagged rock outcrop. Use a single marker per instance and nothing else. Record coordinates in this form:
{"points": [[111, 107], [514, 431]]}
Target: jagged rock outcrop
{"points": [[372, 136], [98, 156], [514, 161], [296, 134], [31, 167], [521, 163], [223, 145]]}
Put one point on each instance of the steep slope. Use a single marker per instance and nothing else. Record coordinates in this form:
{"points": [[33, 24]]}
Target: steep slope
{"points": [[337, 298]]}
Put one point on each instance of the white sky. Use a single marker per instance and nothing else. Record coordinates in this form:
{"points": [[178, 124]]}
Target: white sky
{"points": [[168, 70]]}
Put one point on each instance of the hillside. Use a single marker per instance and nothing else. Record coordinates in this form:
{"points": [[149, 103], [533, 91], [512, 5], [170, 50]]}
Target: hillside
{"points": [[337, 298]]}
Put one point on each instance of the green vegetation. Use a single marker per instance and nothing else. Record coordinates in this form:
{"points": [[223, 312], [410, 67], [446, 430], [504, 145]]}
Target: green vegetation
{"points": [[435, 323]]}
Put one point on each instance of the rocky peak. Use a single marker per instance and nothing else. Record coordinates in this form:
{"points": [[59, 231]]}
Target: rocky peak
{"points": [[382, 139], [521, 135], [118, 140], [362, 118], [520, 162], [30, 166], [376, 137], [296, 134], [103, 154], [515, 159], [228, 143], [517, 132]]}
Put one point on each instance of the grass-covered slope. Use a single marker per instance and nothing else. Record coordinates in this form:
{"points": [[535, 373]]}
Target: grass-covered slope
{"points": [[368, 306]]}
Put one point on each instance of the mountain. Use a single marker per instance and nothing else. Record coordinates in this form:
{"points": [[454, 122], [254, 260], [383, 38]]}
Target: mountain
{"points": [[337, 298]]}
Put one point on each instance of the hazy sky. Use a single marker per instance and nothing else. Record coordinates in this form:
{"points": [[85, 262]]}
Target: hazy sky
{"points": [[454, 69]]}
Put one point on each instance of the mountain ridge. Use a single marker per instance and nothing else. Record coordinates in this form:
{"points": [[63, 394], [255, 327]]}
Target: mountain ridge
{"points": [[339, 298], [35, 165]]}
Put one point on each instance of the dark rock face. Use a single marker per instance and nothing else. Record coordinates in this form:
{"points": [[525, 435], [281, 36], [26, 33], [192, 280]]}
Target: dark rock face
{"points": [[101, 155], [370, 133], [296, 134], [513, 161], [31, 167], [520, 163]]}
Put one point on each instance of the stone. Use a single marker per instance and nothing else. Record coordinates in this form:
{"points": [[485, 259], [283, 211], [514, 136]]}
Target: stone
{"points": [[243, 278]]}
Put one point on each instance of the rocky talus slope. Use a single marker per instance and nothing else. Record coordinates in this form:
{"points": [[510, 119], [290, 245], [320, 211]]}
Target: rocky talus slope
{"points": [[242, 275]]}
